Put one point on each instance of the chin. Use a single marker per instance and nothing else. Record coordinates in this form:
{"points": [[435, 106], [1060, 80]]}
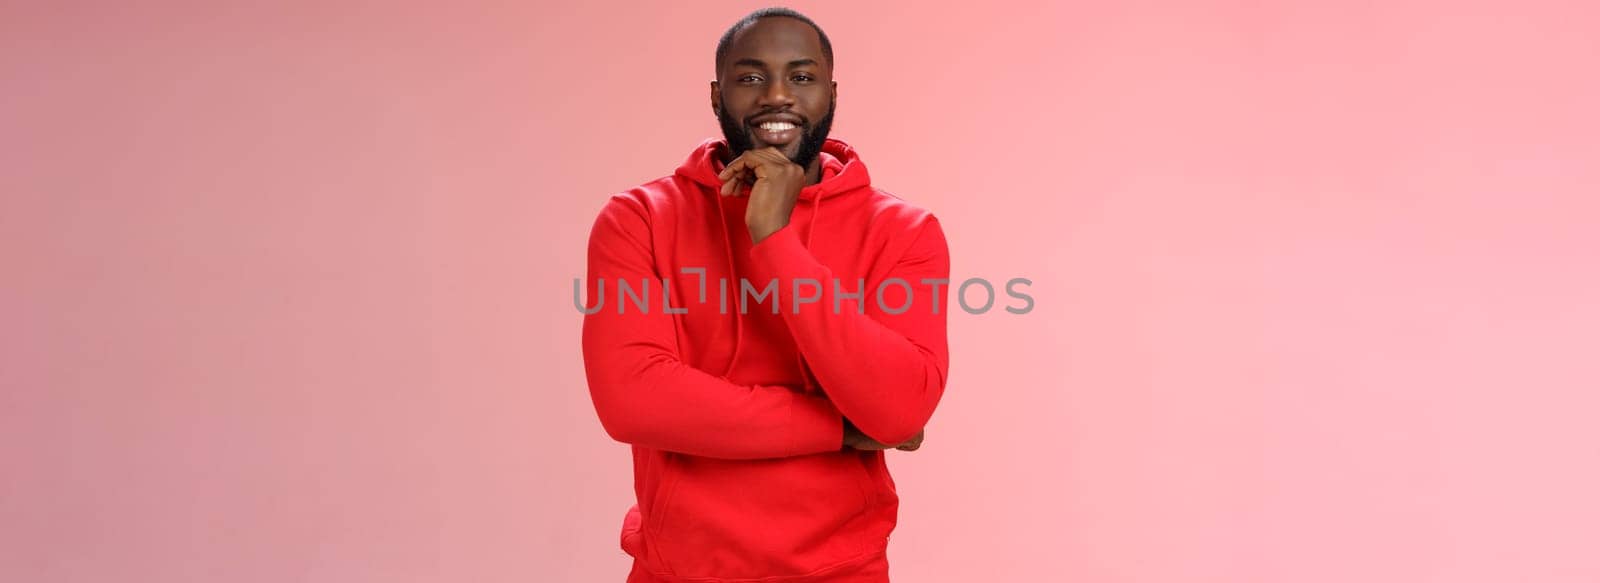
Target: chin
{"points": [[790, 151]]}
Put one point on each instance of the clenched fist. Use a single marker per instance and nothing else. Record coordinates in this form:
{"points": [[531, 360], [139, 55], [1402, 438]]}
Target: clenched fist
{"points": [[855, 439]]}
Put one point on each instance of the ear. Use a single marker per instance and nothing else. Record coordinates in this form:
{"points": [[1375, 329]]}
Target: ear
{"points": [[835, 97], [716, 98]]}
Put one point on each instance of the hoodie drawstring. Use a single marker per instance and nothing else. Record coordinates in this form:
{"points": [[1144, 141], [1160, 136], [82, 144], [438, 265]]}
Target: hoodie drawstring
{"points": [[727, 249], [811, 229]]}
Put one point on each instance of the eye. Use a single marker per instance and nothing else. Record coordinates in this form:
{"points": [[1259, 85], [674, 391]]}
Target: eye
{"points": [[749, 78], [802, 78]]}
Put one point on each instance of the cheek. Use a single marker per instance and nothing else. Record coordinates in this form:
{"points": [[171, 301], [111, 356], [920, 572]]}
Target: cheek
{"points": [[737, 104], [816, 104]]}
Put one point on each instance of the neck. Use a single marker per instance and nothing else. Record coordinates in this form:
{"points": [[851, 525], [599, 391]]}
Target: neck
{"points": [[814, 171]]}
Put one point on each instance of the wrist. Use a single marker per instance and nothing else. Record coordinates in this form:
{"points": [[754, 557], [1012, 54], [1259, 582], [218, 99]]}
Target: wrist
{"points": [[761, 229]]}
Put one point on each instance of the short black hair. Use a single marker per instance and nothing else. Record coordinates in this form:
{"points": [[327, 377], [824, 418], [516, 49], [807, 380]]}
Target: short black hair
{"points": [[773, 12]]}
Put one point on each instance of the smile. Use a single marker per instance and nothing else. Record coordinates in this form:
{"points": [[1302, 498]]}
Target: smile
{"points": [[777, 133]]}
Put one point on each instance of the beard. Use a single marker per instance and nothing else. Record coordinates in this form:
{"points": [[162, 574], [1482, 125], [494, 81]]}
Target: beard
{"points": [[740, 138]]}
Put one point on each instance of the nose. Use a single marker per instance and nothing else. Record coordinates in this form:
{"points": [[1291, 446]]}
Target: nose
{"points": [[777, 95]]}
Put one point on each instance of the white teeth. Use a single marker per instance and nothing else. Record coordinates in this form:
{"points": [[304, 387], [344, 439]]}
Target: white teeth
{"points": [[777, 126]]}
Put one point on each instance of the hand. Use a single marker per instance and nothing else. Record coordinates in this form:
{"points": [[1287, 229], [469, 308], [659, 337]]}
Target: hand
{"points": [[855, 439], [777, 186]]}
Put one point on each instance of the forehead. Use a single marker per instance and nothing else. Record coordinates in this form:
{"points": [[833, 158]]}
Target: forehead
{"points": [[776, 40]]}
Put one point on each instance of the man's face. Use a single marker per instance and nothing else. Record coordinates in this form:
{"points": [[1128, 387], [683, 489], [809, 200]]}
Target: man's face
{"points": [[775, 89]]}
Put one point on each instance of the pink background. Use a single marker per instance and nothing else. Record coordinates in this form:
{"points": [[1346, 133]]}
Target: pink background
{"points": [[287, 291]]}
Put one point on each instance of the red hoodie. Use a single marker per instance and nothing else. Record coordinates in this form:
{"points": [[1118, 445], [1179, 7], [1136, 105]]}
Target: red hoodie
{"points": [[736, 420]]}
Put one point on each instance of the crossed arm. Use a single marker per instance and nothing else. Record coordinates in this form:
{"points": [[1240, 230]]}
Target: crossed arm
{"points": [[884, 372]]}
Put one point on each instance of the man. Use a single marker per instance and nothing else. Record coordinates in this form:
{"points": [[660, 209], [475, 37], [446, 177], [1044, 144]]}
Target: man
{"points": [[776, 327]]}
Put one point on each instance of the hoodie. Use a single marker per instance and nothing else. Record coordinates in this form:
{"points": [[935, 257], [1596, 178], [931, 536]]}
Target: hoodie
{"points": [[736, 416]]}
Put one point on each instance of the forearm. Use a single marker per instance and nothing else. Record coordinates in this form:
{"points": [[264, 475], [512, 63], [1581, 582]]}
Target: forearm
{"points": [[645, 394], [884, 371], [661, 403]]}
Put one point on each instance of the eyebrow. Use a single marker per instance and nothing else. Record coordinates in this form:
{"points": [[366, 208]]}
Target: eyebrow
{"points": [[760, 64]]}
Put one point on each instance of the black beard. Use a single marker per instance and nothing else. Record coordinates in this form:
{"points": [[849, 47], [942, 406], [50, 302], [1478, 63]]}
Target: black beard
{"points": [[740, 141]]}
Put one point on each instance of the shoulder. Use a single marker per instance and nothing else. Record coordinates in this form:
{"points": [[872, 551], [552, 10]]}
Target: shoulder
{"points": [[630, 213], [904, 229], [651, 196], [900, 216], [649, 201]]}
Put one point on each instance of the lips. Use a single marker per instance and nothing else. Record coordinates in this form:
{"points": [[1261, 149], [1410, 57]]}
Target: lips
{"points": [[776, 129]]}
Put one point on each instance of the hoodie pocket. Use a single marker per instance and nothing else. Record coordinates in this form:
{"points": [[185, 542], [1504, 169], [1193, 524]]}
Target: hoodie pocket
{"points": [[869, 484], [631, 540], [763, 518], [660, 507]]}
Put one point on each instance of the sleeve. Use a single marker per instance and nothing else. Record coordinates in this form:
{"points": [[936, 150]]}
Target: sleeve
{"points": [[882, 364], [646, 395]]}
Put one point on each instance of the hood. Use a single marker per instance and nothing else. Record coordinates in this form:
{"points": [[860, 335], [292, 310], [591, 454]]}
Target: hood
{"points": [[842, 169]]}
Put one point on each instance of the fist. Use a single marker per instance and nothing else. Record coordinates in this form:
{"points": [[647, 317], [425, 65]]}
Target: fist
{"points": [[855, 439]]}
